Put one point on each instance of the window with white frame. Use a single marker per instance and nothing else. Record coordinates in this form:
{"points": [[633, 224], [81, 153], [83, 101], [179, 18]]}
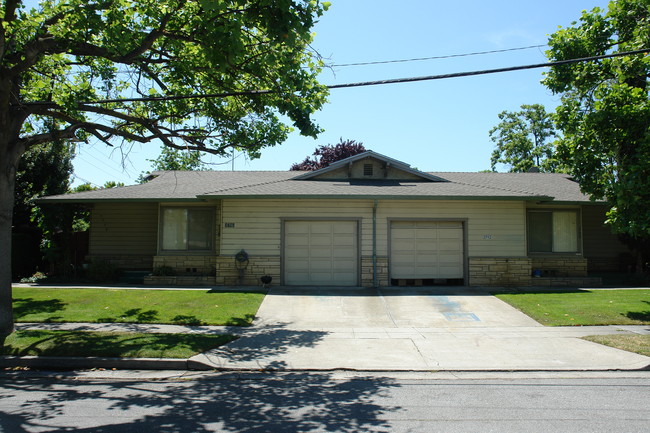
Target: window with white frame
{"points": [[187, 229], [553, 231]]}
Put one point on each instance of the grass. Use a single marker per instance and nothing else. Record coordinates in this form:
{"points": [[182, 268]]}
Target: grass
{"points": [[632, 343], [109, 344], [590, 307], [583, 307], [185, 307]]}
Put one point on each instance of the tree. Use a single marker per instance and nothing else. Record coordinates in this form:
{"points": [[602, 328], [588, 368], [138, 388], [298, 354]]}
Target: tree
{"points": [[324, 155], [174, 159], [44, 169], [522, 140], [73, 62], [605, 113]]}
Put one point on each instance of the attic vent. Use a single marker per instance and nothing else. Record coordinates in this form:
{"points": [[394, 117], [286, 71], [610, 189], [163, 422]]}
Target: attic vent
{"points": [[367, 169]]}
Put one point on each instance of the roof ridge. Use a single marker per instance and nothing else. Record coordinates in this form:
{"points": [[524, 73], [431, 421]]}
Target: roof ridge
{"points": [[243, 186]]}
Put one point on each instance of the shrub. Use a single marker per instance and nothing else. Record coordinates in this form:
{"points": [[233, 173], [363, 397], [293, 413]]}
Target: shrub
{"points": [[164, 271], [102, 272]]}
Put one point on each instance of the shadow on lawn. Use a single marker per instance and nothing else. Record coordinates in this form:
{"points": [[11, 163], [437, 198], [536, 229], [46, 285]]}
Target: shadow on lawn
{"points": [[641, 316], [26, 306], [104, 344], [132, 315]]}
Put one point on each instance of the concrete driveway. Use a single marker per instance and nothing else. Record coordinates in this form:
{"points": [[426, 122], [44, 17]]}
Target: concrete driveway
{"points": [[320, 308], [404, 329]]}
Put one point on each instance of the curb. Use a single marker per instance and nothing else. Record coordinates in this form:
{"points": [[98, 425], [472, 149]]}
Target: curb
{"points": [[72, 363]]}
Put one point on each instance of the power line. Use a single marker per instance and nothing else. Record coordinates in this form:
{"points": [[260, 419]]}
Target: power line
{"points": [[486, 71], [450, 56], [358, 84]]}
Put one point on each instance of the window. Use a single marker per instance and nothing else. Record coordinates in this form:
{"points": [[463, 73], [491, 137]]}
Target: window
{"points": [[553, 232], [187, 229]]}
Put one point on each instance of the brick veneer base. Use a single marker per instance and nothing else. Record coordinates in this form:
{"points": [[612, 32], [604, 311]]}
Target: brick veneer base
{"points": [[229, 275], [367, 272], [499, 271], [560, 266]]}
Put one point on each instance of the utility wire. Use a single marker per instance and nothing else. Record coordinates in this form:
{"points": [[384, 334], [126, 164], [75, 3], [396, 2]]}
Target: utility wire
{"points": [[358, 84], [450, 56]]}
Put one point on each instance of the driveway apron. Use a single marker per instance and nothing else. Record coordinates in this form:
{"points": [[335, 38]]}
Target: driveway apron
{"points": [[433, 328]]}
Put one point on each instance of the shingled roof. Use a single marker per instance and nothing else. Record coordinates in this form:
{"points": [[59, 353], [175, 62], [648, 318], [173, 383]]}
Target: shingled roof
{"points": [[169, 186], [335, 181]]}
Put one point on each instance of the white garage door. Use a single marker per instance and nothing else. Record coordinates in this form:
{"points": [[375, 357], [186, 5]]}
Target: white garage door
{"points": [[320, 253], [426, 250]]}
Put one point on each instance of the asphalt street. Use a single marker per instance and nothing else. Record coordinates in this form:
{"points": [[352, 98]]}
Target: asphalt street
{"points": [[325, 402]]}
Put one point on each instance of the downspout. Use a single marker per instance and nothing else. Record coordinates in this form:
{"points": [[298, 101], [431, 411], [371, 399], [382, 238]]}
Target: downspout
{"points": [[374, 244]]}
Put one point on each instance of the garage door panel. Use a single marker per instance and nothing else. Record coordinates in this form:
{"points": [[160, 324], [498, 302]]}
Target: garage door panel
{"points": [[426, 250], [321, 253]]}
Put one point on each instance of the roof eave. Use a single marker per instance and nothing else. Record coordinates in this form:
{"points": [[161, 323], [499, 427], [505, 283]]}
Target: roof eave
{"points": [[373, 197]]}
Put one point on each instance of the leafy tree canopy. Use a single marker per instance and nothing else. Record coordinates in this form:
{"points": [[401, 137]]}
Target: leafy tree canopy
{"points": [[523, 140], [326, 154], [174, 159], [44, 169], [604, 112], [62, 62]]}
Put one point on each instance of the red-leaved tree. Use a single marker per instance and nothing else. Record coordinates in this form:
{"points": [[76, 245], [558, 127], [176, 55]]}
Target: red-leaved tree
{"points": [[327, 154]]}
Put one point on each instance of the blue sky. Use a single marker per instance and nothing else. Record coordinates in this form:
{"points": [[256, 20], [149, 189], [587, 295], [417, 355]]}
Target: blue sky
{"points": [[439, 125]]}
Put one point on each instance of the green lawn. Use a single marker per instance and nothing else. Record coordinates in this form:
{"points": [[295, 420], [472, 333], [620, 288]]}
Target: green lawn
{"points": [[109, 344], [583, 307], [632, 343], [188, 307]]}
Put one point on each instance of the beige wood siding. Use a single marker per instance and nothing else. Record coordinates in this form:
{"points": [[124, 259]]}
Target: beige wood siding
{"points": [[321, 253], [257, 223], [124, 228], [494, 228]]}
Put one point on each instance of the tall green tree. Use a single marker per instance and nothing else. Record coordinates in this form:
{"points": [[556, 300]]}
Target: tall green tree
{"points": [[44, 169], [523, 140], [604, 112], [69, 60], [173, 159]]}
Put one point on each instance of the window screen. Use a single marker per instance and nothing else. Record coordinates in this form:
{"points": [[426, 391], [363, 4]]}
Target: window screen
{"points": [[553, 232], [187, 229]]}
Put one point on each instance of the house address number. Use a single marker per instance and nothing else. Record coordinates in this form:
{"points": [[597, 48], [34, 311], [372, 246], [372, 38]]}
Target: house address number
{"points": [[229, 225], [487, 237]]}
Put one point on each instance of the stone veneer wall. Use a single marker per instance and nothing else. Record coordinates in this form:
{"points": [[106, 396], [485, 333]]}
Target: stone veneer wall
{"points": [[568, 266], [367, 272], [124, 261], [499, 271], [187, 265], [228, 274]]}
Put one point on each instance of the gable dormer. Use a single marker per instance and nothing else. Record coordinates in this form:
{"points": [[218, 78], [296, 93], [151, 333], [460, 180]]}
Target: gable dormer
{"points": [[369, 166]]}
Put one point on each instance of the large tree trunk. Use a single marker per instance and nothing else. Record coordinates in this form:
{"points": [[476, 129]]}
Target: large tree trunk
{"points": [[8, 161]]}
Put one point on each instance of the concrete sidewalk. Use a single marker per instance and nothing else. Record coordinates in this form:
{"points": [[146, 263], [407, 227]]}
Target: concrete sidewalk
{"points": [[411, 329], [425, 329]]}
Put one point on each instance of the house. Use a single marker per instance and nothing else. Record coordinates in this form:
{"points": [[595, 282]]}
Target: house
{"points": [[368, 220]]}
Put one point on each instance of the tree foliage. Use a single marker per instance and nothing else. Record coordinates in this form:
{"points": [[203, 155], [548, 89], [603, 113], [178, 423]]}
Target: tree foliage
{"points": [[65, 61], [604, 112], [523, 140], [324, 155], [44, 169], [173, 159]]}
